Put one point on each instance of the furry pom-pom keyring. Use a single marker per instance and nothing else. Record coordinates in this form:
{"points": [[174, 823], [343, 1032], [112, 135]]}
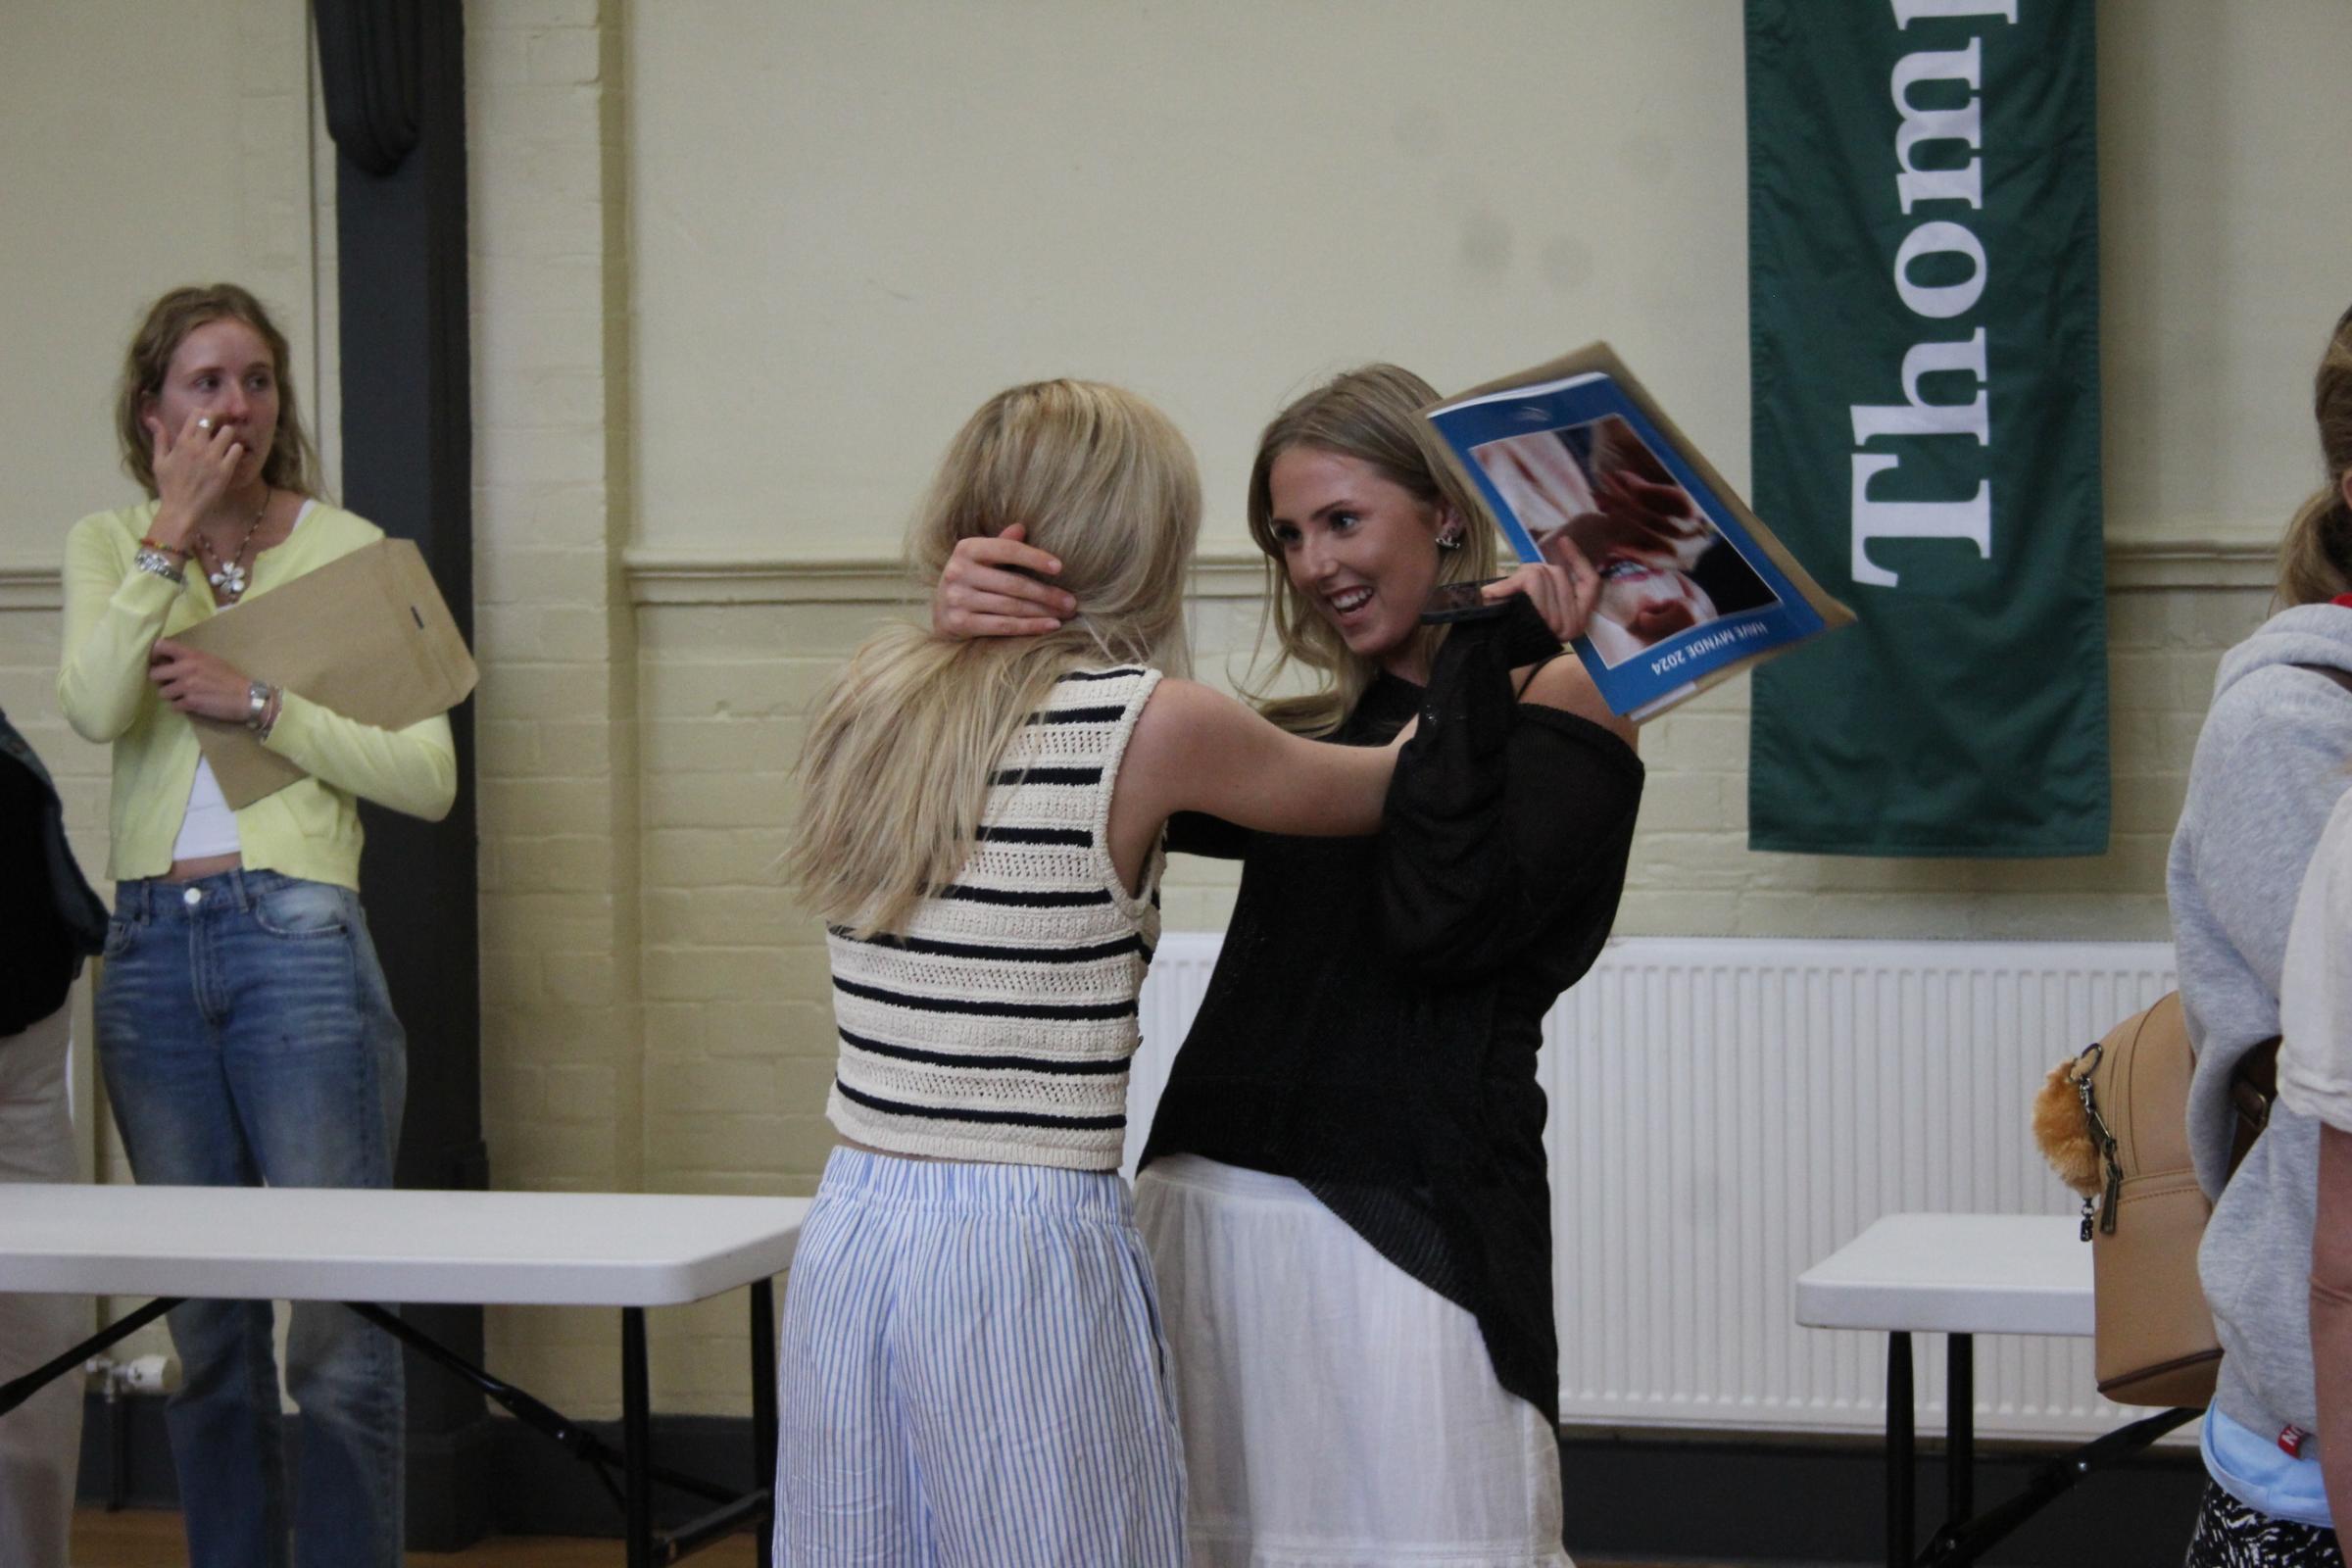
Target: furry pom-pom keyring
{"points": [[2063, 1129]]}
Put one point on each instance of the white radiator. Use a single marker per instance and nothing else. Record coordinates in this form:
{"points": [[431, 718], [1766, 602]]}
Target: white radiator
{"points": [[1725, 1112]]}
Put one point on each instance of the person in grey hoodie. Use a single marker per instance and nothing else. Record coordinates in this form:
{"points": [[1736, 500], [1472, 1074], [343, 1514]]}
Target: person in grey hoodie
{"points": [[2269, 766]]}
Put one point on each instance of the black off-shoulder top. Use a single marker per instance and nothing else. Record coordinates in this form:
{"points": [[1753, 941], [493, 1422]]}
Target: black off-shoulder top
{"points": [[1372, 1024]]}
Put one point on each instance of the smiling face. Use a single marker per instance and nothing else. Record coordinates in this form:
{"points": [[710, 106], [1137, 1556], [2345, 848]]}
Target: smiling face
{"points": [[223, 370], [1359, 548]]}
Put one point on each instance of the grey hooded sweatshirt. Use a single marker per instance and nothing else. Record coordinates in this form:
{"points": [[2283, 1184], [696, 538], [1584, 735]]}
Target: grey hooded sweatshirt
{"points": [[2271, 762]]}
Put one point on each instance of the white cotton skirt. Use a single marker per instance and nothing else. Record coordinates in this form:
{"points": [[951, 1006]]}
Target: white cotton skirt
{"points": [[1337, 1413]]}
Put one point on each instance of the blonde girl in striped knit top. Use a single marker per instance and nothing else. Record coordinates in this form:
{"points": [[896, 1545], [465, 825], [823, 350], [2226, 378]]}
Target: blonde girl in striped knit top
{"points": [[972, 1361]]}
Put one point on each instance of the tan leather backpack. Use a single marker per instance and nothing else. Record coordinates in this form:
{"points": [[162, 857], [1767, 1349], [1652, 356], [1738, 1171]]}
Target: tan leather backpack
{"points": [[2145, 1214]]}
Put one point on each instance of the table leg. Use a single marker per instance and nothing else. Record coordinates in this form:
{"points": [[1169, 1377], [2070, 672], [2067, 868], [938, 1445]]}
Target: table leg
{"points": [[16, 1391], [1960, 1430], [1899, 1525], [637, 1438], [763, 1411]]}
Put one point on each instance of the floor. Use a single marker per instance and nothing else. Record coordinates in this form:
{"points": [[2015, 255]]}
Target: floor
{"points": [[148, 1538]]}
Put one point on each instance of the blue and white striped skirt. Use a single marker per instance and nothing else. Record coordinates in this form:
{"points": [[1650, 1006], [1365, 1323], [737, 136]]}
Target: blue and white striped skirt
{"points": [[973, 1372]]}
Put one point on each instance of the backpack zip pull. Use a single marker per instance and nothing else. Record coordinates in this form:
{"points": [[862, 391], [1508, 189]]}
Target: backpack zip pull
{"points": [[2103, 1139]]}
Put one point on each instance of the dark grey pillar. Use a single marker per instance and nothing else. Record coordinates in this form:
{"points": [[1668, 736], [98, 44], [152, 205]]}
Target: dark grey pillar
{"points": [[393, 77]]}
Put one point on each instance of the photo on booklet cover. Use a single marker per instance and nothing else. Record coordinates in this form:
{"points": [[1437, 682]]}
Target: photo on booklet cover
{"points": [[1664, 567]]}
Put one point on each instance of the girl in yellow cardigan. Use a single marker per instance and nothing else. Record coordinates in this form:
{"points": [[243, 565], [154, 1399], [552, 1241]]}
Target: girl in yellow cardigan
{"points": [[243, 1026]]}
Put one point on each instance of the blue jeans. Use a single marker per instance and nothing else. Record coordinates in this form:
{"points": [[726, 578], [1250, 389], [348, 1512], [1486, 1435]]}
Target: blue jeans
{"points": [[246, 1038]]}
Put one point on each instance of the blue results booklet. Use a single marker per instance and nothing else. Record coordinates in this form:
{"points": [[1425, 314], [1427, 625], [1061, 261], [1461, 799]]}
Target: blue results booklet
{"points": [[1693, 587]]}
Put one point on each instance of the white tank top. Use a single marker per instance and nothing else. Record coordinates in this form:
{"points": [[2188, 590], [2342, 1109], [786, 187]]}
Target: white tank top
{"points": [[207, 828], [210, 828]]}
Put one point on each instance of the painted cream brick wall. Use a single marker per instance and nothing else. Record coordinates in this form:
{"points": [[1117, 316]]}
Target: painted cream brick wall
{"points": [[738, 1010], [122, 182], [556, 716], [738, 1039]]}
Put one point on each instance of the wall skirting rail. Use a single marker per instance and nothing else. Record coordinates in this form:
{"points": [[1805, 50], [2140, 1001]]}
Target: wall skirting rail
{"points": [[661, 575]]}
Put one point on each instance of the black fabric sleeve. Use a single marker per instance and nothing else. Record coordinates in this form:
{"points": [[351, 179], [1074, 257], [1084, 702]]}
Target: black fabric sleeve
{"points": [[41, 958], [1212, 837], [1501, 817]]}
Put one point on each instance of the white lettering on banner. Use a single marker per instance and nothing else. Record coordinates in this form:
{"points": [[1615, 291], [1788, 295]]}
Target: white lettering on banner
{"points": [[1950, 299], [1970, 519], [1908, 11], [1915, 416], [1915, 184]]}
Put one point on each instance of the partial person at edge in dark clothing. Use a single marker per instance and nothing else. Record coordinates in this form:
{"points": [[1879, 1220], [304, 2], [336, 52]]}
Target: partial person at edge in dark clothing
{"points": [[54, 922]]}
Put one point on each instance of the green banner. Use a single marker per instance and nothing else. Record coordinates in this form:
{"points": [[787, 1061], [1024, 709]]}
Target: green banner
{"points": [[1922, 284]]}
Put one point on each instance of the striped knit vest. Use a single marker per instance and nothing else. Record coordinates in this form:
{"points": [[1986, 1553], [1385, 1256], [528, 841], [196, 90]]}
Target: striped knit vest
{"points": [[997, 1026]]}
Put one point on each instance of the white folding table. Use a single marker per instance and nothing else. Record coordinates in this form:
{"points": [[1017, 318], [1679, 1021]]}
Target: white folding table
{"points": [[1962, 1275], [622, 1249]]}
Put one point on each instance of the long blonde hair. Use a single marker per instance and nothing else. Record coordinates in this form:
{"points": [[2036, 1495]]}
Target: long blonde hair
{"points": [[2315, 559], [894, 773], [1372, 414]]}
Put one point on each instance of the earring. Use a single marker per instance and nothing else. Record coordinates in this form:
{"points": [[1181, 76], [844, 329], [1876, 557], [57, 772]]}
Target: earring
{"points": [[1450, 539]]}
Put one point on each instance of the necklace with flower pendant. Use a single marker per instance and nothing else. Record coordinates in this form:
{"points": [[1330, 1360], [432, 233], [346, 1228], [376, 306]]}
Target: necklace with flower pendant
{"points": [[228, 578]]}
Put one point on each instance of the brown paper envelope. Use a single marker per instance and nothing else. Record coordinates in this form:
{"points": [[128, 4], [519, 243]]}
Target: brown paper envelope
{"points": [[368, 635]]}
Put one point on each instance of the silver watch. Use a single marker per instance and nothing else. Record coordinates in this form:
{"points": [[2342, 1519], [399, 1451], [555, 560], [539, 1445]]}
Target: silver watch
{"points": [[257, 704]]}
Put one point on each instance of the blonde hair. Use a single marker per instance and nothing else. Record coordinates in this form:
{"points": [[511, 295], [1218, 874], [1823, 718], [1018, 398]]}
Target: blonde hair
{"points": [[1372, 414], [2315, 559], [293, 463], [894, 773]]}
